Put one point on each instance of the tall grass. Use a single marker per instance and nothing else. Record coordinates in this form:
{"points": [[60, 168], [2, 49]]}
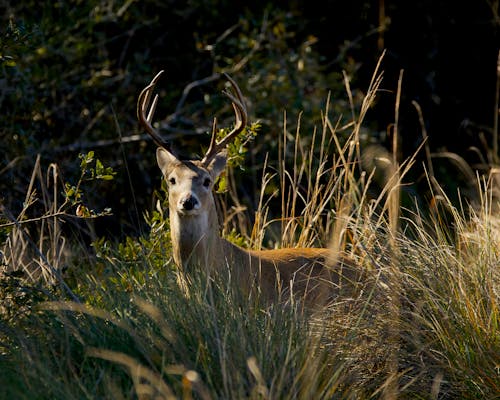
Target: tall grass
{"points": [[423, 323]]}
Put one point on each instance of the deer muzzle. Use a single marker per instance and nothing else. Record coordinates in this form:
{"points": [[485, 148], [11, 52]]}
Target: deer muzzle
{"points": [[189, 204]]}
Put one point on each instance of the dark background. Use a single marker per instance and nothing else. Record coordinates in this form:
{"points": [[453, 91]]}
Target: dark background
{"points": [[70, 73]]}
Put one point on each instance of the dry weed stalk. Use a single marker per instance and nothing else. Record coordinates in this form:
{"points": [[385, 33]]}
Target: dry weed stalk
{"points": [[44, 257]]}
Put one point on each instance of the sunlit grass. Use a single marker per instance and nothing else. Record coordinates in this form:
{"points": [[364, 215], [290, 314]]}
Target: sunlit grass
{"points": [[423, 323]]}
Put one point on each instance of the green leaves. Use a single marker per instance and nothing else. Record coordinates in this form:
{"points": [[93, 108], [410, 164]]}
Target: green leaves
{"points": [[90, 173], [91, 169], [86, 159], [101, 172], [237, 150], [72, 193]]}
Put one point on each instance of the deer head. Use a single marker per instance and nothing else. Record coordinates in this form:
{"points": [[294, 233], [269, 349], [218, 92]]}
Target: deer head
{"points": [[190, 183]]}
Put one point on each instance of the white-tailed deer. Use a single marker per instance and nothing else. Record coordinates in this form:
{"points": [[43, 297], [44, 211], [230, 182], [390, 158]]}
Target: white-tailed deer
{"points": [[313, 274]]}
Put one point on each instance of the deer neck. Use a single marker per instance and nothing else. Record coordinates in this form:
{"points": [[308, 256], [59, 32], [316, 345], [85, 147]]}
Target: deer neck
{"points": [[195, 239]]}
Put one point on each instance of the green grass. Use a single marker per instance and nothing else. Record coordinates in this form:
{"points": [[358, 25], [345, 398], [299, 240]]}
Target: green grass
{"points": [[423, 323], [141, 330]]}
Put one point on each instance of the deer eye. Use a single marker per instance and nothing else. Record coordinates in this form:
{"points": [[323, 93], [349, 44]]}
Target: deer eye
{"points": [[206, 182], [172, 181]]}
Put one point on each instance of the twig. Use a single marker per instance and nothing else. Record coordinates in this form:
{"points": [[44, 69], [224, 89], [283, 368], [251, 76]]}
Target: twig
{"points": [[216, 75], [497, 111], [425, 137], [44, 217]]}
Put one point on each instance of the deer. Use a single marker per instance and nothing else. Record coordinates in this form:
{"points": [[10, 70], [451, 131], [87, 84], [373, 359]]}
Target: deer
{"points": [[313, 274]]}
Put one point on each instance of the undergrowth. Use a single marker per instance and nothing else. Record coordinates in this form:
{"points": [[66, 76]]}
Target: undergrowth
{"points": [[423, 324]]}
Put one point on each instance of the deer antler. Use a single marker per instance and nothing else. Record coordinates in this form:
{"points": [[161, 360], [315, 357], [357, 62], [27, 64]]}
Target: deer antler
{"points": [[145, 120], [145, 117], [241, 114]]}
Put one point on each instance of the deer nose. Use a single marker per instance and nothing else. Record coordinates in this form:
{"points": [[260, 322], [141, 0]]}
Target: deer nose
{"points": [[189, 203]]}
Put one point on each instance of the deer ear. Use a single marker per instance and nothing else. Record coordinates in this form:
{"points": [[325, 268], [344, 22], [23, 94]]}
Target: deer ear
{"points": [[165, 159], [218, 164]]}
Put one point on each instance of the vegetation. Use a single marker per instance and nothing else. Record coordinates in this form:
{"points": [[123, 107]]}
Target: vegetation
{"points": [[424, 322], [88, 313]]}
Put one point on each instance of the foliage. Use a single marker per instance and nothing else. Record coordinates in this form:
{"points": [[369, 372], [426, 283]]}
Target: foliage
{"points": [[72, 72], [119, 320], [38, 247], [422, 323], [142, 329]]}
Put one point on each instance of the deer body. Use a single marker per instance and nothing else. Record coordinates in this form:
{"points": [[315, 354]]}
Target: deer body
{"points": [[311, 273]]}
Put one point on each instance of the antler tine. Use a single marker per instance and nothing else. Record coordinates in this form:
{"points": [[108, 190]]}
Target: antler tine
{"points": [[241, 115], [142, 106]]}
